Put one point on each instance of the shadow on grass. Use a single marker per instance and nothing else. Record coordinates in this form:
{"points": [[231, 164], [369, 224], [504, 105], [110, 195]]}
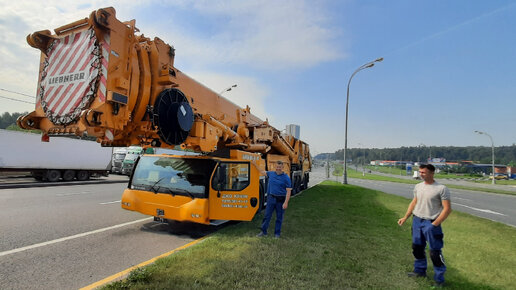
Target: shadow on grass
{"points": [[334, 236]]}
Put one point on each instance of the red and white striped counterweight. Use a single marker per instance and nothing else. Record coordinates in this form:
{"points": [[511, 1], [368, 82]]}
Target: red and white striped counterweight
{"points": [[73, 71]]}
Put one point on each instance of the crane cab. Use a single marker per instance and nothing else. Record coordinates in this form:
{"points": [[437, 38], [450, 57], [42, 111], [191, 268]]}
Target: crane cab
{"points": [[200, 189]]}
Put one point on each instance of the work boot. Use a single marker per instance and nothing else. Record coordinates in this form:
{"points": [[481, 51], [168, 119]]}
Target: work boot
{"points": [[438, 285], [261, 234], [415, 274], [276, 236]]}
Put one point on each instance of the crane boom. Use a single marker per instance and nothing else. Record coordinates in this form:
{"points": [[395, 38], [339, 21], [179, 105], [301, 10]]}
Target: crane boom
{"points": [[98, 77]]}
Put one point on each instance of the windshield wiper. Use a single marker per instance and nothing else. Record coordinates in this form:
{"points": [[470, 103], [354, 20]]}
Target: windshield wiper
{"points": [[179, 190], [159, 187]]}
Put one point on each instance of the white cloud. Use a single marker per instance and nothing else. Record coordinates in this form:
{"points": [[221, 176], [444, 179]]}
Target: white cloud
{"points": [[260, 34], [20, 62]]}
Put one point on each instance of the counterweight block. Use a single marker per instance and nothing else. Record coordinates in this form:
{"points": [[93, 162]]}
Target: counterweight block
{"points": [[173, 116]]}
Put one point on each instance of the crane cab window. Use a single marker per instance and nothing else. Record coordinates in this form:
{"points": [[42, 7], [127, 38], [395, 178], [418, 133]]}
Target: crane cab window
{"points": [[231, 176], [171, 175]]}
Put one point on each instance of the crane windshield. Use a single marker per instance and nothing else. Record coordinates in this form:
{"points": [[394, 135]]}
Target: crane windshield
{"points": [[173, 175]]}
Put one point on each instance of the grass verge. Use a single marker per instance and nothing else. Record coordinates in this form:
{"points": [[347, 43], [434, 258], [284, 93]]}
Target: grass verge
{"points": [[335, 236]]}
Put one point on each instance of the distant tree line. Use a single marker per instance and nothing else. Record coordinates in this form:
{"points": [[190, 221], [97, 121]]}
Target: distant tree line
{"points": [[505, 155], [7, 119], [8, 122]]}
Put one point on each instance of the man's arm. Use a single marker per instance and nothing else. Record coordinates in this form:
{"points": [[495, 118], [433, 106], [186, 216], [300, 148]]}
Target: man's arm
{"points": [[262, 172], [411, 207], [285, 204], [444, 213]]}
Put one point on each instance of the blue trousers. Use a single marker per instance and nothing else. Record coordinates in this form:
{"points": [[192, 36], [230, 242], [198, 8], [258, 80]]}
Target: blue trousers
{"points": [[424, 231], [273, 205]]}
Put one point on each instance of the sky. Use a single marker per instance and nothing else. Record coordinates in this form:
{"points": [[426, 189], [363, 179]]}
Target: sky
{"points": [[448, 68]]}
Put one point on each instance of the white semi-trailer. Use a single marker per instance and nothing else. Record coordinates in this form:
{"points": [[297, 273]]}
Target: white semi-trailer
{"points": [[60, 159]]}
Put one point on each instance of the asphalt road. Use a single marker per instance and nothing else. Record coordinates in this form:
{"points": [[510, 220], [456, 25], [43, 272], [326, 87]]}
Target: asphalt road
{"points": [[496, 207], [67, 236]]}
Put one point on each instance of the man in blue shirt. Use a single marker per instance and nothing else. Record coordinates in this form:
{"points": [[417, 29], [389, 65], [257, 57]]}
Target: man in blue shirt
{"points": [[279, 191]]}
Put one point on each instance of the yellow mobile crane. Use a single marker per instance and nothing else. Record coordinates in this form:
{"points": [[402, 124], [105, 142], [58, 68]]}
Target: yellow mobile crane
{"points": [[99, 78]]}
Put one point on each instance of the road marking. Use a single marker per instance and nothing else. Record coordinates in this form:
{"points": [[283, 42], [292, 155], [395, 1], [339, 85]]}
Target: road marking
{"points": [[71, 237], [74, 193], [454, 197], [120, 275], [479, 209], [110, 202]]}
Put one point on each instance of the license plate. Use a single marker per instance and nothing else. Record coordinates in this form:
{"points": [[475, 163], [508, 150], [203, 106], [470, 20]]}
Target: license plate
{"points": [[160, 219]]}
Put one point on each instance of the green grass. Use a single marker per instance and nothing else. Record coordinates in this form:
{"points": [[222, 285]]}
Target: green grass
{"points": [[335, 237], [358, 174], [501, 182], [387, 169], [398, 171]]}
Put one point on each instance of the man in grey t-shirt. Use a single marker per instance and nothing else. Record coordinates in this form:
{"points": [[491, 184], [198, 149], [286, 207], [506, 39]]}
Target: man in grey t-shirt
{"points": [[431, 206]]}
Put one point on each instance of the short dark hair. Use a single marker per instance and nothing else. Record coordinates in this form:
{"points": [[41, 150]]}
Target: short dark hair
{"points": [[427, 166]]}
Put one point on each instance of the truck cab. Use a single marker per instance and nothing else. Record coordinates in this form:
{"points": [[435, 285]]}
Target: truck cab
{"points": [[198, 189], [117, 159], [133, 152]]}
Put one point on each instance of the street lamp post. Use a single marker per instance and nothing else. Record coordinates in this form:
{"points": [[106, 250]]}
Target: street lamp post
{"points": [[227, 89], [492, 153], [363, 158], [367, 65]]}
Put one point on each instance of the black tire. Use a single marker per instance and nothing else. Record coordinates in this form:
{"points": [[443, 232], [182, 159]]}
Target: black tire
{"points": [[83, 175], [261, 201], [69, 175], [38, 175], [295, 187], [305, 182], [53, 175]]}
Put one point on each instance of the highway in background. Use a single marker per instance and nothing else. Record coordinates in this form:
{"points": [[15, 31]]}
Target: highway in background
{"points": [[492, 206], [496, 207]]}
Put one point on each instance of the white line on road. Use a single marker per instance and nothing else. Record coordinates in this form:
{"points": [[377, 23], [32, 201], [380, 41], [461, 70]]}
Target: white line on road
{"points": [[479, 209], [110, 202], [70, 237], [454, 197], [73, 193]]}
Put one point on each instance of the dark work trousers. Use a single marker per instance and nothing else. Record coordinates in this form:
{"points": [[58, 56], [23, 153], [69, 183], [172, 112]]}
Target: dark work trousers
{"points": [[273, 204], [424, 231]]}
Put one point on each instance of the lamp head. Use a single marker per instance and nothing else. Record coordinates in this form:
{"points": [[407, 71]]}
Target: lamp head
{"points": [[379, 59]]}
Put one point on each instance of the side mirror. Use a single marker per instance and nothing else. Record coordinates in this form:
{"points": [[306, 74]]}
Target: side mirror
{"points": [[220, 177]]}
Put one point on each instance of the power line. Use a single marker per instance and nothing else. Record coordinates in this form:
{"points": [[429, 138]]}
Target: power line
{"points": [[32, 103], [17, 93]]}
